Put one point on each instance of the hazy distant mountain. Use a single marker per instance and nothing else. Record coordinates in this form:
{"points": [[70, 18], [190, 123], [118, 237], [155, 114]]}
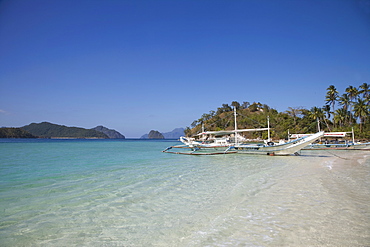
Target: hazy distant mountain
{"points": [[113, 134], [145, 136], [174, 134], [49, 130]]}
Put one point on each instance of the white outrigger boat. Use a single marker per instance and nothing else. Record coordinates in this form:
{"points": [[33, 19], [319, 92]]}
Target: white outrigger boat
{"points": [[226, 145], [335, 144]]}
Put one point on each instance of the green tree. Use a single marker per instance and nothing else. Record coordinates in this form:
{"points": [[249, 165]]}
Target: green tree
{"points": [[294, 112], [326, 109], [245, 104], [187, 131], [352, 92], [345, 102], [365, 91], [361, 111], [316, 113], [224, 108], [341, 116], [331, 96], [235, 104]]}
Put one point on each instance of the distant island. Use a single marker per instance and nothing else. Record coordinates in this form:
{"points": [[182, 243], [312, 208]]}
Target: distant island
{"points": [[56, 131], [112, 134], [15, 133], [174, 134], [50, 130], [153, 134]]}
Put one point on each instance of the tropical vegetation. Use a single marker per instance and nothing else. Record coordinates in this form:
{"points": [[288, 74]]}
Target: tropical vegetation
{"points": [[339, 113]]}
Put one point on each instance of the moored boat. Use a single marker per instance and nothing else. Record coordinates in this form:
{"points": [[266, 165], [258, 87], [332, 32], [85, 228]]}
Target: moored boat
{"points": [[225, 144], [339, 143]]}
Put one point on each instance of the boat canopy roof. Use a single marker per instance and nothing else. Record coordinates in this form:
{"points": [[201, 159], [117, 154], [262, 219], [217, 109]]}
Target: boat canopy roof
{"points": [[228, 132]]}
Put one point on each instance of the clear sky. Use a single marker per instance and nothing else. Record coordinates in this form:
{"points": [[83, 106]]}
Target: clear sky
{"points": [[135, 65]]}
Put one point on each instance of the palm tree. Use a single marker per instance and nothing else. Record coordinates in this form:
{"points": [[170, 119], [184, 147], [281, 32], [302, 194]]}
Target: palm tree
{"points": [[361, 110], [331, 96], [352, 93], [345, 102], [294, 112], [365, 90], [326, 109], [316, 113], [341, 116]]}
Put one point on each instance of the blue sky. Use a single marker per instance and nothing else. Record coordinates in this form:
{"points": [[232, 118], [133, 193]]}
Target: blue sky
{"points": [[139, 65]]}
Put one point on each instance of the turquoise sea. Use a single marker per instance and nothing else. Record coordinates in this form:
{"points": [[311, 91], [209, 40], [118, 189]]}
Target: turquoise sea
{"points": [[129, 193]]}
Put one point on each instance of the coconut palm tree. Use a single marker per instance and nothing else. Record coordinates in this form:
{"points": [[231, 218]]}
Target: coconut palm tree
{"points": [[352, 93], [326, 109], [341, 116], [361, 110], [316, 113], [345, 102], [331, 96], [365, 90]]}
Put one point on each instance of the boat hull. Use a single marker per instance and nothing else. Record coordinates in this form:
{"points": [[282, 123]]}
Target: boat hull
{"points": [[289, 148]]}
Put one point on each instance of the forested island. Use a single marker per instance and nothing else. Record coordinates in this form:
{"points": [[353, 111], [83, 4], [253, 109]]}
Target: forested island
{"points": [[50, 130], [15, 133], [174, 134], [353, 112]]}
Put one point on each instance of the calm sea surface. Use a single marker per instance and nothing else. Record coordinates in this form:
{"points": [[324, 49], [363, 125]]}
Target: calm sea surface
{"points": [[129, 193]]}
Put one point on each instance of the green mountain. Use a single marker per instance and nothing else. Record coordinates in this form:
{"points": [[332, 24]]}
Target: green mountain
{"points": [[113, 134], [174, 134], [49, 130], [15, 133], [154, 134]]}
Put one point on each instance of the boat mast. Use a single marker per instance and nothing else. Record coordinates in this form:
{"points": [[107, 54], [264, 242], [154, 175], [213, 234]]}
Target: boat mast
{"points": [[268, 129], [353, 136], [203, 136], [235, 126], [318, 125]]}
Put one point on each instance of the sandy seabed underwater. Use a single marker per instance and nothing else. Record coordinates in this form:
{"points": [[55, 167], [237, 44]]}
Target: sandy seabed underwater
{"points": [[129, 193]]}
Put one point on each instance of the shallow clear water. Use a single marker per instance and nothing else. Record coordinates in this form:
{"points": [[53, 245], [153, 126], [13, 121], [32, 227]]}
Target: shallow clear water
{"points": [[128, 193]]}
